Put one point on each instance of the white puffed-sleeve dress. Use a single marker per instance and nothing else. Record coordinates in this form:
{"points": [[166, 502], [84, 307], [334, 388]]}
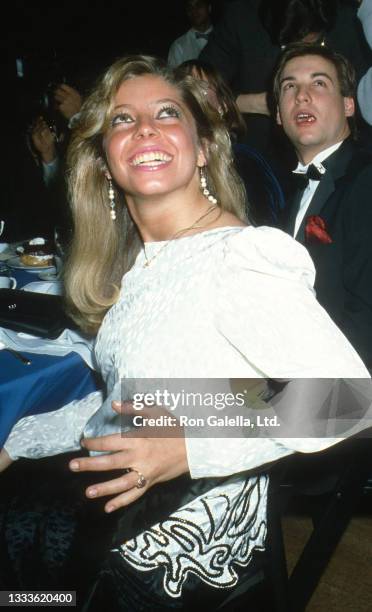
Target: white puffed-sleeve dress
{"points": [[233, 302]]}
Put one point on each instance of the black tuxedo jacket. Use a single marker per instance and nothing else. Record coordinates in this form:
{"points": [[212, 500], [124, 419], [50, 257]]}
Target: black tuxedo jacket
{"points": [[343, 283]]}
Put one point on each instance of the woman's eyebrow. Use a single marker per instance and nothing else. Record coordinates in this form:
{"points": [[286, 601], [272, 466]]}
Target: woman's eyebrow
{"points": [[154, 103]]}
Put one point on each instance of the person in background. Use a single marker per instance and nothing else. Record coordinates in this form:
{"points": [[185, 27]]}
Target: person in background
{"points": [[33, 196], [247, 41], [189, 45], [331, 211], [365, 83], [43, 147], [265, 198], [44, 137], [165, 269], [68, 101]]}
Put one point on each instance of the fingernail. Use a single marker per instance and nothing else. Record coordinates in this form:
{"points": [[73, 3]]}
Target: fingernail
{"points": [[74, 465], [110, 508], [116, 403], [92, 492]]}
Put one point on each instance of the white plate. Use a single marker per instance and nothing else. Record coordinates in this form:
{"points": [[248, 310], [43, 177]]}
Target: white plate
{"points": [[16, 263], [49, 276], [55, 288]]}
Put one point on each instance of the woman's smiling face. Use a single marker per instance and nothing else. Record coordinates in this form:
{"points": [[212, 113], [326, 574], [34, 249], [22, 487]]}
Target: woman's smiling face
{"points": [[151, 146]]}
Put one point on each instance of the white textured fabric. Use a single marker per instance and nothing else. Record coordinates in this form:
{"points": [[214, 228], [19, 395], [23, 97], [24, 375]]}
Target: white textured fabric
{"points": [[365, 96], [227, 303], [365, 16], [69, 341], [365, 83], [42, 435]]}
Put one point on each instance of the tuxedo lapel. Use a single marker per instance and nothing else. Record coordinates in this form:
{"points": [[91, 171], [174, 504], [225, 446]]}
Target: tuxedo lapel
{"points": [[336, 165]]}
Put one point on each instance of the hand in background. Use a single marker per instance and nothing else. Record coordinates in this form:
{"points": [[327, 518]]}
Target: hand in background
{"points": [[43, 140], [5, 460], [68, 100], [159, 454], [255, 103]]}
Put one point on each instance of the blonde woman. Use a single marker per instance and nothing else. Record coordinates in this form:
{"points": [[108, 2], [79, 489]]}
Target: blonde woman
{"points": [[164, 267]]}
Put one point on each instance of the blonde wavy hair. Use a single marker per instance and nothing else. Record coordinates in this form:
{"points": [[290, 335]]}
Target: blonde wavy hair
{"points": [[102, 251]]}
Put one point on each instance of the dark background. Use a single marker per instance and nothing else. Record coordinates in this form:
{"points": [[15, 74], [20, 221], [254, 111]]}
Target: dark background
{"points": [[74, 40]]}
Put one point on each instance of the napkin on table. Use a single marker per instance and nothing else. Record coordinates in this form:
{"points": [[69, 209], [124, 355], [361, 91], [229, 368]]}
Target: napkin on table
{"points": [[69, 341]]}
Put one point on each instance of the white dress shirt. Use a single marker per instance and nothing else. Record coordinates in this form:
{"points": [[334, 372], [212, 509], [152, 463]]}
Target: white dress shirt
{"points": [[311, 188], [187, 47]]}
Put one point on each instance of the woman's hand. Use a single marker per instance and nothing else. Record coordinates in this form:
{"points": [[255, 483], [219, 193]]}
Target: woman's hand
{"points": [[156, 453], [5, 460]]}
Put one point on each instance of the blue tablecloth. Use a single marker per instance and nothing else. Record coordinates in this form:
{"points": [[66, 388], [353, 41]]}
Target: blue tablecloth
{"points": [[23, 277], [47, 384]]}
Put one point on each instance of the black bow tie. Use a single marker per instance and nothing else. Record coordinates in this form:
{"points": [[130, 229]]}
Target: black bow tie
{"points": [[200, 35], [312, 173]]}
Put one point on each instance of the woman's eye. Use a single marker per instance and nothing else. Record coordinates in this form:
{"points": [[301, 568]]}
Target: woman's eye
{"points": [[288, 86], [121, 118], [168, 111], [319, 83]]}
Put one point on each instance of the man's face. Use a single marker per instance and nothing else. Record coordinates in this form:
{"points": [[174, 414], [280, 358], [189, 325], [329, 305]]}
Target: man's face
{"points": [[311, 108], [198, 12]]}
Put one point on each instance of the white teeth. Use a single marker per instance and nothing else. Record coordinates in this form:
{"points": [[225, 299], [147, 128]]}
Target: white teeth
{"points": [[151, 156], [305, 117]]}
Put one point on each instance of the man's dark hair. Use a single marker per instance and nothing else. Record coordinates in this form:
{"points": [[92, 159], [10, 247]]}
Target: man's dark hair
{"points": [[190, 3], [344, 69]]}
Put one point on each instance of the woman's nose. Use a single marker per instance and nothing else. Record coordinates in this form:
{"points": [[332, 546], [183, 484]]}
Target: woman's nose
{"points": [[146, 127]]}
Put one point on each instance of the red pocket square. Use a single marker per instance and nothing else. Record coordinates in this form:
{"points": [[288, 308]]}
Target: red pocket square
{"points": [[315, 231]]}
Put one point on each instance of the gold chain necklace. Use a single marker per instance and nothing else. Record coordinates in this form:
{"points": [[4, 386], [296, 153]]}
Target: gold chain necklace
{"points": [[177, 234]]}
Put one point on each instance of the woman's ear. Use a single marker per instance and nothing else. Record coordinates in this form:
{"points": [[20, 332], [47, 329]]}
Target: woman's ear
{"points": [[102, 167], [202, 157]]}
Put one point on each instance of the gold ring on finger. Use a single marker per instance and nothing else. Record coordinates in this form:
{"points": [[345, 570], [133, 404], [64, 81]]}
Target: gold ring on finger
{"points": [[141, 481]]}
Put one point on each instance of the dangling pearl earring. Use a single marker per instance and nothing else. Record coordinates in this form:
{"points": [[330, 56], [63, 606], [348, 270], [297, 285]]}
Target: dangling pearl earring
{"points": [[204, 188], [111, 195]]}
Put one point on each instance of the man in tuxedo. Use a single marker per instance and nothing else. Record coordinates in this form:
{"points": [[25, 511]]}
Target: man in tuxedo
{"points": [[190, 44], [246, 42], [331, 211]]}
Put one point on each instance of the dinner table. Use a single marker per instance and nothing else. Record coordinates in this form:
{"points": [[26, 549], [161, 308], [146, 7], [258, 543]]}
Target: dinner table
{"points": [[50, 381]]}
